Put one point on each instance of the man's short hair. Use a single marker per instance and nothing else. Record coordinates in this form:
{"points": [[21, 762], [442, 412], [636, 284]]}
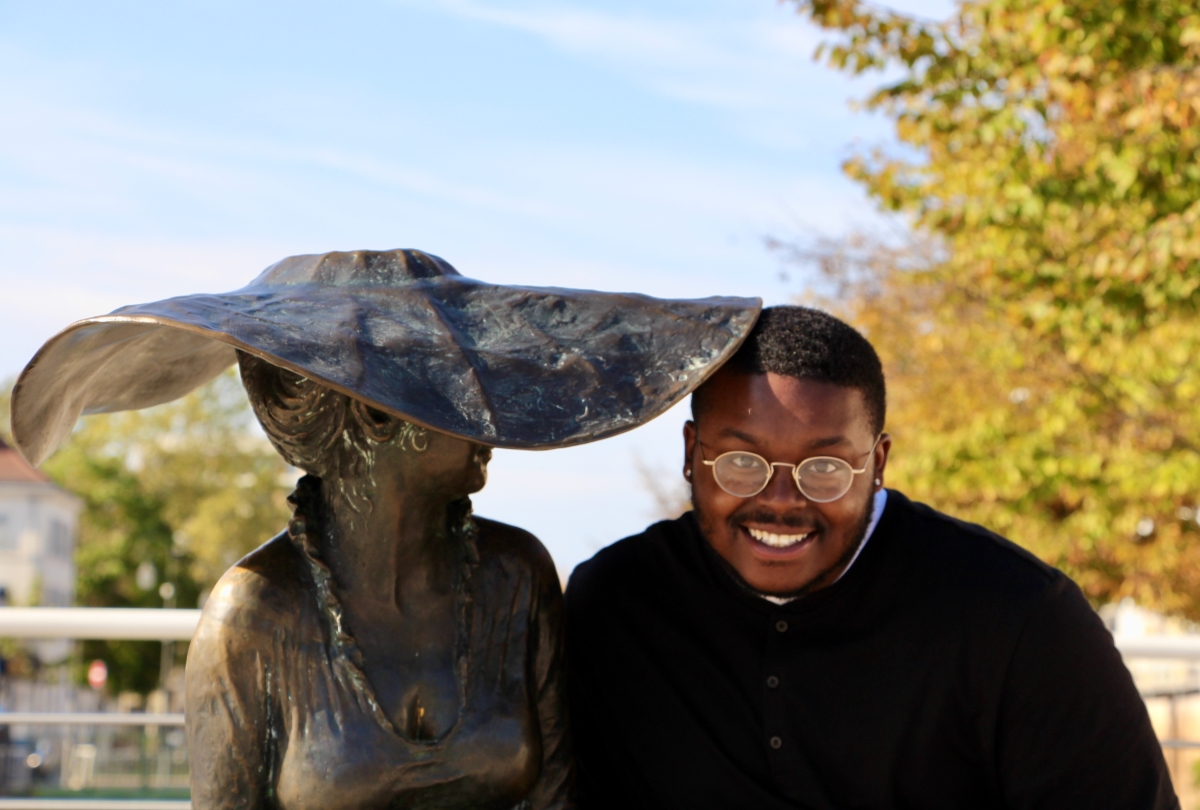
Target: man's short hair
{"points": [[812, 345]]}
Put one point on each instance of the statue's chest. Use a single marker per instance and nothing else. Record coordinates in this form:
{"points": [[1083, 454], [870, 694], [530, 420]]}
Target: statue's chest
{"points": [[343, 757], [463, 729], [486, 761], [419, 691], [412, 665]]}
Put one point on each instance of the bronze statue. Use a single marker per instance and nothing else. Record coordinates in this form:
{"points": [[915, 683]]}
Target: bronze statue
{"points": [[389, 649]]}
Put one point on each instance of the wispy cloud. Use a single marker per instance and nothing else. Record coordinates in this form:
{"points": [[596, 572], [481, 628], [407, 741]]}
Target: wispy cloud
{"points": [[743, 64], [60, 143]]}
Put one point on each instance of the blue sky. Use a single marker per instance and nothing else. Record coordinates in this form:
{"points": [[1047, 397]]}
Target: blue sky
{"points": [[158, 149]]}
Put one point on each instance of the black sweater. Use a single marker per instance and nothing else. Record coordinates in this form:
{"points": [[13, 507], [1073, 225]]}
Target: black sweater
{"points": [[947, 669]]}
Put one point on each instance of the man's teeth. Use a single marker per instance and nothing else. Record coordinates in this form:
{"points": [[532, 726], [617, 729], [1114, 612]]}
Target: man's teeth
{"points": [[776, 540]]}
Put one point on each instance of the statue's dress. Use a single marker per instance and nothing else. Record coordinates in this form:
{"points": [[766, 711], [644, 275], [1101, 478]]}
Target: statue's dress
{"points": [[279, 716]]}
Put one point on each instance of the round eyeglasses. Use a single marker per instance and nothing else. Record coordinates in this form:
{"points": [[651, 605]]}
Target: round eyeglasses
{"points": [[821, 479]]}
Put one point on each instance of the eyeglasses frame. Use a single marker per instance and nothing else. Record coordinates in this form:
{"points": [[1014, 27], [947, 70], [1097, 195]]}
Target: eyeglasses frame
{"points": [[795, 470]]}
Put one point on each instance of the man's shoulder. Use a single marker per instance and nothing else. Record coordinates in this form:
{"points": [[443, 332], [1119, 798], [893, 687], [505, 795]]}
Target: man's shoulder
{"points": [[629, 562], [959, 554]]}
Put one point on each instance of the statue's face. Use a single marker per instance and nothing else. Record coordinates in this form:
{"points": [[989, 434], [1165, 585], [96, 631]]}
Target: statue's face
{"points": [[433, 464], [450, 466]]}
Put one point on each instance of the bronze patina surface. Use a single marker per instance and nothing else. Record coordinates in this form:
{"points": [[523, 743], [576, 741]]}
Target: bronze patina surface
{"points": [[519, 367], [389, 650]]}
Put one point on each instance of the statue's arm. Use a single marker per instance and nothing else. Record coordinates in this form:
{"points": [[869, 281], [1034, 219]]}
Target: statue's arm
{"points": [[229, 717], [555, 786]]}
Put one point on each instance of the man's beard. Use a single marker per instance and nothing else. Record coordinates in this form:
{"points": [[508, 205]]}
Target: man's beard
{"points": [[820, 580]]}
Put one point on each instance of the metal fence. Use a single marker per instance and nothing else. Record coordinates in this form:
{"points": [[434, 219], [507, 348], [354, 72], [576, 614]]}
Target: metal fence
{"points": [[103, 750], [179, 625]]}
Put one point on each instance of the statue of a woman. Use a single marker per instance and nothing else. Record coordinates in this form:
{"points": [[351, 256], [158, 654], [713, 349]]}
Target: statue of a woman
{"points": [[389, 650], [426, 671]]}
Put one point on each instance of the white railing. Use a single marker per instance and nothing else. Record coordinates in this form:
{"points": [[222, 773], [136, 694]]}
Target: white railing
{"points": [[1184, 648], [140, 624], [94, 804], [115, 624], [89, 719], [112, 624]]}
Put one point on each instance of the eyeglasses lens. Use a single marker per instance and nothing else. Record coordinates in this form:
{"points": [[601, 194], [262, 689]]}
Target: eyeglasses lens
{"points": [[742, 474], [821, 479], [825, 479]]}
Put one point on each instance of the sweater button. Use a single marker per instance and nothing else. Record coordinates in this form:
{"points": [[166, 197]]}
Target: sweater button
{"points": [[776, 743], [781, 626], [772, 681]]}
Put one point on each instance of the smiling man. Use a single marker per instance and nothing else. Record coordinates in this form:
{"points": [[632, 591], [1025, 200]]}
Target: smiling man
{"points": [[805, 638]]}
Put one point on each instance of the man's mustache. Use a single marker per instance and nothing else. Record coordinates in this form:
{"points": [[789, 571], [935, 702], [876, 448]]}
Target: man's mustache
{"points": [[793, 520]]}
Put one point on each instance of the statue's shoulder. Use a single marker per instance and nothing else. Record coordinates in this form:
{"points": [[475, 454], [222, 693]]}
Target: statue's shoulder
{"points": [[267, 590], [500, 543]]}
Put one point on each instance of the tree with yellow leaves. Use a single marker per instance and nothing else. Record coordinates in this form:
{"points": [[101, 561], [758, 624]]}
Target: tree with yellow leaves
{"points": [[1042, 354], [1058, 145], [996, 425]]}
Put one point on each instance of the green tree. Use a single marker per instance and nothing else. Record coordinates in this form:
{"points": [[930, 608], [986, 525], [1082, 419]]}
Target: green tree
{"points": [[122, 528], [1056, 150], [222, 486], [5, 396], [187, 488]]}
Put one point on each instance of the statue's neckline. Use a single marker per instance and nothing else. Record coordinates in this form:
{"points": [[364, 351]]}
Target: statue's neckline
{"points": [[362, 683], [343, 644]]}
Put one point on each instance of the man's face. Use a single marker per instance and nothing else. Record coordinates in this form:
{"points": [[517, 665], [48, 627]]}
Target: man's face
{"points": [[788, 420]]}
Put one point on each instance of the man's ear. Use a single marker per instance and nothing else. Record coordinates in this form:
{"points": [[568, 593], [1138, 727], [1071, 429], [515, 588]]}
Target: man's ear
{"points": [[689, 449], [882, 451]]}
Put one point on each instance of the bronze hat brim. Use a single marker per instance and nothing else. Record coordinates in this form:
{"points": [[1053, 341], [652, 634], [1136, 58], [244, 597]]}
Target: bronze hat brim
{"points": [[516, 367]]}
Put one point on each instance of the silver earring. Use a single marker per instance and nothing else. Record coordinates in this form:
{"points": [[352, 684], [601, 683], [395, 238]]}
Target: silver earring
{"points": [[687, 474], [877, 482]]}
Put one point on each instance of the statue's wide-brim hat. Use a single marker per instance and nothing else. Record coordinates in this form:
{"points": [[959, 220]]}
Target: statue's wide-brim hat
{"points": [[520, 367]]}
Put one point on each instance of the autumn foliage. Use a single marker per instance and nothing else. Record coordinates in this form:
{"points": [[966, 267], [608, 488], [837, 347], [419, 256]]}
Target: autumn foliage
{"points": [[1040, 328]]}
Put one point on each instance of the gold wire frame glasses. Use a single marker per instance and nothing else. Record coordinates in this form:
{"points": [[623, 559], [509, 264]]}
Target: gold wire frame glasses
{"points": [[820, 479]]}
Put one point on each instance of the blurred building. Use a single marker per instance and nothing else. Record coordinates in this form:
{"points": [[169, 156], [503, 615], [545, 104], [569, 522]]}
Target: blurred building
{"points": [[1171, 689], [37, 542]]}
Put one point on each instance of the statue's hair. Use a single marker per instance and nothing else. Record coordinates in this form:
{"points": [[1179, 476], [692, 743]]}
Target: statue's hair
{"points": [[321, 431], [302, 418]]}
